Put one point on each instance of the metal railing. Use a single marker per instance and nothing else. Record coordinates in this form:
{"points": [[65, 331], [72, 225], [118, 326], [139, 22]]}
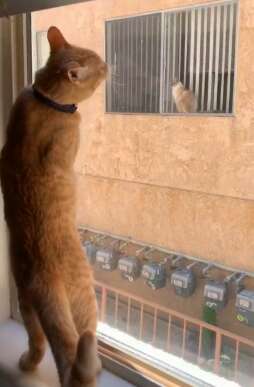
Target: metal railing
{"points": [[105, 292]]}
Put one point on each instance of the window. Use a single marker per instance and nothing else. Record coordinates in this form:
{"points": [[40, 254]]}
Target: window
{"points": [[145, 319], [150, 54]]}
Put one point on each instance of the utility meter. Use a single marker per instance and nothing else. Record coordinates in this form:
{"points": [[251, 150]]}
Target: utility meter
{"points": [[216, 294], [155, 275], [90, 250], [245, 307], [184, 282], [107, 259], [129, 267]]}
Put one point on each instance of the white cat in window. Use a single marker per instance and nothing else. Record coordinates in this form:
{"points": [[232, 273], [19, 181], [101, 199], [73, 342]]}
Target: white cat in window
{"points": [[185, 100]]}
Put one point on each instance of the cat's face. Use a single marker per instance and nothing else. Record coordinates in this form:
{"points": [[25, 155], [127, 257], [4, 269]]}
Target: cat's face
{"points": [[177, 87], [79, 70]]}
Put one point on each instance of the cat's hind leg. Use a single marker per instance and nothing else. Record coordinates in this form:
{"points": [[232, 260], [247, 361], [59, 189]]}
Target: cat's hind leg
{"points": [[36, 338], [53, 308], [84, 310], [84, 370]]}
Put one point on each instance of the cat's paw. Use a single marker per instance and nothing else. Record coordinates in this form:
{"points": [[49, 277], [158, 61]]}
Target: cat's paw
{"points": [[26, 363]]}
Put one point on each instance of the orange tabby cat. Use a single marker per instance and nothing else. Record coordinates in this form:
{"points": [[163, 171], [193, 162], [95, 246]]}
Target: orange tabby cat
{"points": [[54, 280]]}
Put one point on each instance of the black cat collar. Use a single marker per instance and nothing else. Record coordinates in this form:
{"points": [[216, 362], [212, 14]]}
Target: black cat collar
{"points": [[66, 108]]}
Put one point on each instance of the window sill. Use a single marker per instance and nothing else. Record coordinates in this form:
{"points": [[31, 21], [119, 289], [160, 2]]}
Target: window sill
{"points": [[173, 115], [13, 342]]}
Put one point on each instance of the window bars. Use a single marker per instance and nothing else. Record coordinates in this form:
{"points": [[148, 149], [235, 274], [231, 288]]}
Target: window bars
{"points": [[148, 53], [133, 50]]}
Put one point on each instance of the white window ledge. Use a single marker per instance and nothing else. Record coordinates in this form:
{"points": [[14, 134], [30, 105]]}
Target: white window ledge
{"points": [[13, 342]]}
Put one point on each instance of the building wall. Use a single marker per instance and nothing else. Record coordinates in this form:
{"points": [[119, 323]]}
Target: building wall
{"points": [[184, 183]]}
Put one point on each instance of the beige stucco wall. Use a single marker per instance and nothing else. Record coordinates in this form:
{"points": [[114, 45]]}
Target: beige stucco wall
{"points": [[185, 183]]}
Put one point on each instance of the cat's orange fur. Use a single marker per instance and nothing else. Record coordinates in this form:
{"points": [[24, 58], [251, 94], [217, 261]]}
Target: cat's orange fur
{"points": [[53, 278]]}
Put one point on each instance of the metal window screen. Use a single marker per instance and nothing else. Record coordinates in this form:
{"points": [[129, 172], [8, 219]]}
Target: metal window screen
{"points": [[199, 51], [133, 51], [148, 53]]}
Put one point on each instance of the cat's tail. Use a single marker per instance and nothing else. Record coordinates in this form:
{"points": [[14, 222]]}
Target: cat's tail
{"points": [[87, 364]]}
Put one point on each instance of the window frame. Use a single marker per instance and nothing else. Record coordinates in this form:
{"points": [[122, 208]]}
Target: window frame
{"points": [[173, 10], [137, 371], [117, 361]]}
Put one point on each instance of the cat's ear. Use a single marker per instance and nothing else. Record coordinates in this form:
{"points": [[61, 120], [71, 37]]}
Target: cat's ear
{"points": [[78, 74], [56, 39]]}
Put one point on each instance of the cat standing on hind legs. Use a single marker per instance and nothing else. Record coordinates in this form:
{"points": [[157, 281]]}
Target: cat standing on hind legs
{"points": [[54, 280]]}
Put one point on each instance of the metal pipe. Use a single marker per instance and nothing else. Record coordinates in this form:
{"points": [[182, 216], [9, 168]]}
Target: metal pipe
{"points": [[230, 277], [116, 309], [168, 333], [240, 278], [115, 242], [141, 321], [122, 245], [200, 343], [184, 337], [236, 365], [99, 238], [155, 317], [103, 302], [191, 265], [217, 353], [168, 258], [142, 250], [207, 268], [149, 252], [238, 282], [177, 260], [128, 315]]}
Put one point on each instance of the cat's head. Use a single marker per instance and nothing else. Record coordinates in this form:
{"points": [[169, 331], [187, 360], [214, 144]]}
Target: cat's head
{"points": [[76, 71], [177, 87]]}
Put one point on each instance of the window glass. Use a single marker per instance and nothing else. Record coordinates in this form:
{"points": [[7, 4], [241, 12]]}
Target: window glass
{"points": [[142, 308]]}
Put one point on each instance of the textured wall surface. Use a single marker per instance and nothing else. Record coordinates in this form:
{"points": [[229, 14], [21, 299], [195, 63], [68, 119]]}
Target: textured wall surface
{"points": [[185, 183]]}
